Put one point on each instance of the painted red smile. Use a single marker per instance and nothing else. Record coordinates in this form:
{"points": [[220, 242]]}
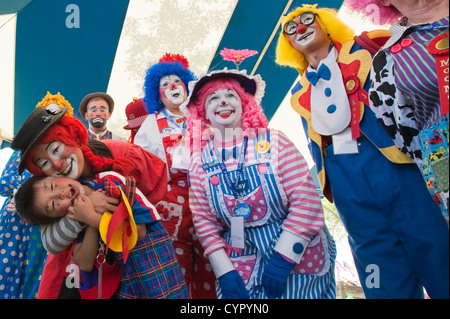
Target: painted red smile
{"points": [[225, 114]]}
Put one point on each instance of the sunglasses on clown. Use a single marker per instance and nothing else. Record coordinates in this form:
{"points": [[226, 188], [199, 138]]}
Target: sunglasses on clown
{"points": [[306, 18]]}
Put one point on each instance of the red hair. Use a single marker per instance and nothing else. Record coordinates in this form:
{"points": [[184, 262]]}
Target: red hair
{"points": [[70, 131], [172, 58]]}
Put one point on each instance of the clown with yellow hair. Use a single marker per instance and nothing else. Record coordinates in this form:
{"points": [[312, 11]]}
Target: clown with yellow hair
{"points": [[379, 194]]}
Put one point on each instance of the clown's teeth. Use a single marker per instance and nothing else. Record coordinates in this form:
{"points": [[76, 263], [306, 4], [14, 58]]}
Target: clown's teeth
{"points": [[224, 112], [68, 169]]}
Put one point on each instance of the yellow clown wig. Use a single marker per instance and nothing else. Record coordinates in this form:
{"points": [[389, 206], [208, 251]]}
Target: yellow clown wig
{"points": [[327, 18]]}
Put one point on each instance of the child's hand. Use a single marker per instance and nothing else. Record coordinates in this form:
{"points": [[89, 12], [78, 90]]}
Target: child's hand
{"points": [[83, 211], [103, 203]]}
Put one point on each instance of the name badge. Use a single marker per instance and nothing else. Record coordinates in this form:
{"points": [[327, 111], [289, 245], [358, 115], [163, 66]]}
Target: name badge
{"points": [[343, 143], [242, 186], [237, 232], [210, 165]]}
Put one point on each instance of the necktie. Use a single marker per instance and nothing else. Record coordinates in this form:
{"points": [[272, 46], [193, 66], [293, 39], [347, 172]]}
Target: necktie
{"points": [[323, 72], [227, 153]]}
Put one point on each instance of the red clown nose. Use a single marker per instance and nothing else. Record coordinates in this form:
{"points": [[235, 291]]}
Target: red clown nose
{"points": [[301, 28]]}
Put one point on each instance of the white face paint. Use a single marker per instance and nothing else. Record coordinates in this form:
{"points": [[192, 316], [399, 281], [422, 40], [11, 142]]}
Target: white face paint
{"points": [[171, 88], [224, 109], [57, 159], [305, 38], [72, 168]]}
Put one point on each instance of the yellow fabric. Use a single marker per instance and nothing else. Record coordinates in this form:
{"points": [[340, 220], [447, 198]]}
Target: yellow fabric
{"points": [[115, 243]]}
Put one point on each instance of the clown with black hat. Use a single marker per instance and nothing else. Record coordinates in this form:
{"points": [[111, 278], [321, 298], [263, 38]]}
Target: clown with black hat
{"points": [[55, 144]]}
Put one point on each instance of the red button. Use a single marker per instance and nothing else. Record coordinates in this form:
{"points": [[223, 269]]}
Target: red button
{"points": [[396, 48], [407, 42]]}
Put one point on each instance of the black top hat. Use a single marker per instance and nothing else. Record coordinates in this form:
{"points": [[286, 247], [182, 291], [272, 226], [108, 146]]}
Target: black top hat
{"points": [[34, 127]]}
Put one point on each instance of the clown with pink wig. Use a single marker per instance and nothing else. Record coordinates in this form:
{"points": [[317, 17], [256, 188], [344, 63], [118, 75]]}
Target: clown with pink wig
{"points": [[255, 207]]}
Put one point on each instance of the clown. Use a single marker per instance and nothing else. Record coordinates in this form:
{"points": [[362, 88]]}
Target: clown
{"points": [[53, 143], [97, 108], [256, 209], [378, 192], [161, 132], [410, 79]]}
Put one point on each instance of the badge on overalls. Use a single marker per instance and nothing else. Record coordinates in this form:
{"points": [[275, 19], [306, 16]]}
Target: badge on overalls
{"points": [[262, 147], [242, 210]]}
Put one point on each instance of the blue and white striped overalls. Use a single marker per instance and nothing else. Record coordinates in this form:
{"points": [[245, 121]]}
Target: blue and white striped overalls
{"points": [[263, 192]]}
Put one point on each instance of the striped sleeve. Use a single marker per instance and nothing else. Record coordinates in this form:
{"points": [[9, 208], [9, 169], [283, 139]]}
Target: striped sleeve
{"points": [[305, 216], [206, 224], [205, 220], [58, 236]]}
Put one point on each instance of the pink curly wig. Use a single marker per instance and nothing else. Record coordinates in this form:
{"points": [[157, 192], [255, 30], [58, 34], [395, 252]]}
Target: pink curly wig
{"points": [[377, 13], [253, 117]]}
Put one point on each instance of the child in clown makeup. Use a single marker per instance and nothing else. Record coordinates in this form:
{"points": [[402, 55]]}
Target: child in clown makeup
{"points": [[43, 200]]}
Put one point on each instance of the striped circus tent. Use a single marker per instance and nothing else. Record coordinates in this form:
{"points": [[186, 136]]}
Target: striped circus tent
{"points": [[80, 46]]}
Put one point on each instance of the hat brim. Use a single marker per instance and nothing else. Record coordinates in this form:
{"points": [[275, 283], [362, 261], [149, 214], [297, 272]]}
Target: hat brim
{"points": [[115, 241], [247, 83], [90, 96], [252, 84], [33, 129]]}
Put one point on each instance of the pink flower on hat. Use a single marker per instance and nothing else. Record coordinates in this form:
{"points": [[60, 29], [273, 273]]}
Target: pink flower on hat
{"points": [[237, 56]]}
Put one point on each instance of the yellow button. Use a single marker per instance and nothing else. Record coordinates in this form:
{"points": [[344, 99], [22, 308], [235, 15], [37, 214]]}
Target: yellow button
{"points": [[262, 147], [442, 44], [350, 85]]}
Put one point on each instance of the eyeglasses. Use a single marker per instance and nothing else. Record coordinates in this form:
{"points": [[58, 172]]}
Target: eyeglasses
{"points": [[306, 18]]}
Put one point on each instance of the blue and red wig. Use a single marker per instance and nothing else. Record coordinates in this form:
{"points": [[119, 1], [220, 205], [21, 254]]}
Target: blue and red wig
{"points": [[167, 65]]}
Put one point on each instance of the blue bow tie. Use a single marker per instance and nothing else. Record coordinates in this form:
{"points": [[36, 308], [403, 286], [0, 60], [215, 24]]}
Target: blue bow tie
{"points": [[323, 72], [227, 153]]}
